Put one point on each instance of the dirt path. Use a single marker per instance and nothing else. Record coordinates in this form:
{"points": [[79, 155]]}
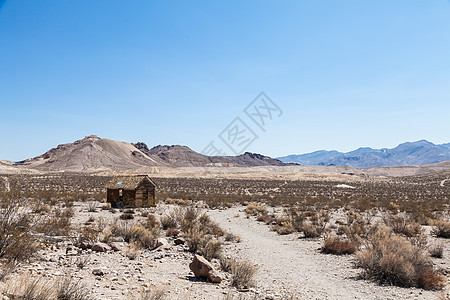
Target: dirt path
{"points": [[287, 264]]}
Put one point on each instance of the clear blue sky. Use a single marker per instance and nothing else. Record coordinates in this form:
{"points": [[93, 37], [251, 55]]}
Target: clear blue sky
{"points": [[345, 73]]}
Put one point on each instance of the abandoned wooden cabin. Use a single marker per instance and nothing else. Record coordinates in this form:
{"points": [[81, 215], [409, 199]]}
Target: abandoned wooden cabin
{"points": [[131, 191]]}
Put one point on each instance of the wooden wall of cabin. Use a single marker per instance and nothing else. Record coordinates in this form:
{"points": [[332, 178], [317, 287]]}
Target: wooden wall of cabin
{"points": [[128, 198], [145, 194]]}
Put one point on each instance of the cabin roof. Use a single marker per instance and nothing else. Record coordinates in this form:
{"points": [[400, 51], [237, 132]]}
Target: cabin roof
{"points": [[127, 182]]}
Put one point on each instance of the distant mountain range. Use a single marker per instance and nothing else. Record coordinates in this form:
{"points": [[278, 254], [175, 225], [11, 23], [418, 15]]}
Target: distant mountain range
{"points": [[406, 154], [96, 154]]}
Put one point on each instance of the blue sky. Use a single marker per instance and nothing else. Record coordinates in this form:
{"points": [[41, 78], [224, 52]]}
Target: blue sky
{"points": [[345, 73]]}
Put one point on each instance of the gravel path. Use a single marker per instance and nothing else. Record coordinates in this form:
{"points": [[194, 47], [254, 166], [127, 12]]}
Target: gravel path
{"points": [[289, 265]]}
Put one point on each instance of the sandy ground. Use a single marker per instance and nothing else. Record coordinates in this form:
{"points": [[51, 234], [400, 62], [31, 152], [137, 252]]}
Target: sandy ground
{"points": [[289, 265]]}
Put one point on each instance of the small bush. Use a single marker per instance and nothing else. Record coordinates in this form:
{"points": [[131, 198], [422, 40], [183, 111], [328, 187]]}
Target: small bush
{"points": [[255, 208], [391, 259], [226, 263], [311, 231], [91, 206], [172, 232], [213, 249], [28, 288], [126, 216], [442, 229], [437, 251], [338, 246], [68, 289], [168, 221], [403, 226], [243, 273]]}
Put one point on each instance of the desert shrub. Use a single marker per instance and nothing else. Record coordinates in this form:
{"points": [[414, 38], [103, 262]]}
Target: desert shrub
{"points": [[338, 246], [226, 263], [213, 249], [89, 234], [180, 202], [6, 268], [143, 237], [151, 221], [168, 221], [255, 208], [243, 273], [229, 237], [126, 216], [172, 232], [284, 228], [437, 250], [442, 228], [265, 218], [29, 288], [403, 226], [68, 289], [57, 223], [91, 206], [310, 230], [391, 259], [17, 225]]}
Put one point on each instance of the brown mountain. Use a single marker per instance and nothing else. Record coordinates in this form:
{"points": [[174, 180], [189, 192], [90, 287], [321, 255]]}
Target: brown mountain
{"points": [[96, 154]]}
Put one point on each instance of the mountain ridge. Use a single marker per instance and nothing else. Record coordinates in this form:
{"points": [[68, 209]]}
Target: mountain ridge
{"points": [[421, 152], [97, 154]]}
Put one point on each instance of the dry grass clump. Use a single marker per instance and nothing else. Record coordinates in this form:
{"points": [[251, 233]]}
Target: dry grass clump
{"points": [[243, 273], [57, 223], [36, 288], [338, 246], [68, 289], [18, 238], [172, 232], [437, 250], [442, 228], [403, 226], [180, 202], [254, 209], [138, 234], [169, 221], [391, 259], [29, 288]]}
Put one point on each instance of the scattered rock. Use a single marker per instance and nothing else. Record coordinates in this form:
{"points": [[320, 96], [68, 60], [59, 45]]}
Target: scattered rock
{"points": [[98, 272], [100, 247], [203, 269], [85, 245], [162, 242], [116, 246], [179, 241]]}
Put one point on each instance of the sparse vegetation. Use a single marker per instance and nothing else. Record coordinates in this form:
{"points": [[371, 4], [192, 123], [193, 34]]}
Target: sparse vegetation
{"points": [[338, 246], [243, 273], [391, 259]]}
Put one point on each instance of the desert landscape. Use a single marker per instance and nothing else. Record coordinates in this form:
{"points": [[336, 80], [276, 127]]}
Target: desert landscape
{"points": [[263, 230], [224, 150]]}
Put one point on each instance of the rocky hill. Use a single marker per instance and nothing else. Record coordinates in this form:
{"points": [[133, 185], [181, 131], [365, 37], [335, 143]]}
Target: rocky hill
{"points": [[96, 154]]}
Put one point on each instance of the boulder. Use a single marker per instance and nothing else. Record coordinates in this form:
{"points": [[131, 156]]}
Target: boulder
{"points": [[100, 247], [85, 245], [115, 246], [203, 269], [163, 243], [98, 272], [179, 241]]}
